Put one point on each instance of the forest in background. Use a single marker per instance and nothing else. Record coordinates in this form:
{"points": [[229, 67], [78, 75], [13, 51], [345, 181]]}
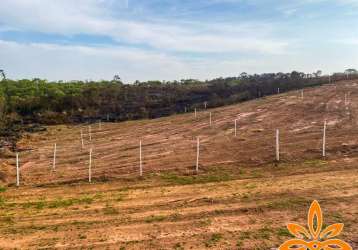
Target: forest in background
{"points": [[25, 104]]}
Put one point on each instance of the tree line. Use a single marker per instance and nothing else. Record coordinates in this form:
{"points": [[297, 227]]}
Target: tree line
{"points": [[25, 103]]}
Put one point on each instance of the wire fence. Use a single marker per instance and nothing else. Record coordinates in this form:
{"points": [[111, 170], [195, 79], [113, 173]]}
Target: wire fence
{"points": [[117, 155]]}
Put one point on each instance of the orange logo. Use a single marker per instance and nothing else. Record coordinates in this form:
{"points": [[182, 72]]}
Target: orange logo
{"points": [[318, 239]]}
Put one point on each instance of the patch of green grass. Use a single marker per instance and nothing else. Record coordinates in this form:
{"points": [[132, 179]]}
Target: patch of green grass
{"points": [[219, 211], [263, 233], [58, 203], [109, 210], [6, 220], [46, 243], [214, 239], [288, 203], [239, 244], [245, 197], [283, 232], [262, 246], [205, 222], [82, 236], [281, 166], [155, 218], [256, 174], [2, 189], [2, 201], [118, 197], [244, 235], [178, 246], [215, 176], [35, 204], [316, 163], [337, 216], [250, 186], [83, 224], [33, 228], [174, 217], [124, 189], [98, 196]]}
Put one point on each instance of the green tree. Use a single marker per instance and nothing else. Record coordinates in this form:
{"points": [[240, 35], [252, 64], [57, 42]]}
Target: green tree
{"points": [[2, 74], [351, 71]]}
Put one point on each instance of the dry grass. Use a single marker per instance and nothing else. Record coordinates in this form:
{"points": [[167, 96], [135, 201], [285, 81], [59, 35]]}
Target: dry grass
{"points": [[241, 198]]}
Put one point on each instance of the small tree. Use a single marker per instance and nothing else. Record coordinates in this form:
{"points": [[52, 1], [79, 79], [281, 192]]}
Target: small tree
{"points": [[243, 75], [117, 79], [318, 73], [2, 74], [351, 71]]}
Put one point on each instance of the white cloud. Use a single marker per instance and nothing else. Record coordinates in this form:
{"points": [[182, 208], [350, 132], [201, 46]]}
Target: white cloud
{"points": [[215, 48], [59, 62], [348, 41], [56, 16], [94, 17]]}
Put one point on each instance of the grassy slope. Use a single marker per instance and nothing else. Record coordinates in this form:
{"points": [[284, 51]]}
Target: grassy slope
{"points": [[241, 199]]}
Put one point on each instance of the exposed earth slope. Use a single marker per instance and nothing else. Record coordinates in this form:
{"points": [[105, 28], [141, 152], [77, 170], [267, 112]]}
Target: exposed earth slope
{"points": [[241, 198]]}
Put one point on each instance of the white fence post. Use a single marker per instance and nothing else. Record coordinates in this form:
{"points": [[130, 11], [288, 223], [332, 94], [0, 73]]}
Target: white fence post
{"points": [[210, 119], [17, 170], [197, 154], [235, 127], [302, 94], [278, 90], [54, 157], [277, 145], [205, 104], [324, 139], [90, 166], [90, 132], [140, 159], [100, 124], [82, 143], [195, 113], [107, 117]]}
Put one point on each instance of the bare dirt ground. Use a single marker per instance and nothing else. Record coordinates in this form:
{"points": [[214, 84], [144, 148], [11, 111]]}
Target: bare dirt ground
{"points": [[240, 199]]}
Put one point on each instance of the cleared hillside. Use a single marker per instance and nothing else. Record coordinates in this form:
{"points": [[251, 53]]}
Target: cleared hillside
{"points": [[240, 199]]}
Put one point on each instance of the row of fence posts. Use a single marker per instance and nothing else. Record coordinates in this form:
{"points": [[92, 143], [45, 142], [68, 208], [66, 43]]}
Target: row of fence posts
{"points": [[141, 154], [323, 142], [197, 151]]}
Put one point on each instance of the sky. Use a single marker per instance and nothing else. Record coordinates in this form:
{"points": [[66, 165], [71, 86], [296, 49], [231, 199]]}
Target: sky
{"points": [[175, 39]]}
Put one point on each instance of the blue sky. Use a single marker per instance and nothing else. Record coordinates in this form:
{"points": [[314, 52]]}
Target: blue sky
{"points": [[175, 39]]}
